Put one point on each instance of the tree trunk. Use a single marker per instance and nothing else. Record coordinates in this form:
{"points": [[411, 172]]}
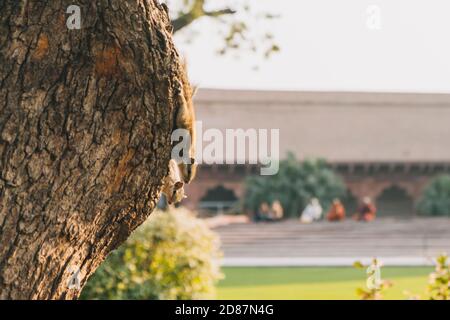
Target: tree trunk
{"points": [[85, 123]]}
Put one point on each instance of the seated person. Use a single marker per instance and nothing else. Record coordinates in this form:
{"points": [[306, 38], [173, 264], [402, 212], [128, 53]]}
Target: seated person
{"points": [[263, 212], [337, 211], [276, 212], [367, 211], [312, 212]]}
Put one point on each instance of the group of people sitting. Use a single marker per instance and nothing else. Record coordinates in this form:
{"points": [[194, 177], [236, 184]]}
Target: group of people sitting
{"points": [[313, 211], [269, 213]]}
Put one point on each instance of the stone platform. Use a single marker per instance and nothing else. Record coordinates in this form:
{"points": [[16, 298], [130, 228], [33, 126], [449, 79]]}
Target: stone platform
{"points": [[404, 242]]}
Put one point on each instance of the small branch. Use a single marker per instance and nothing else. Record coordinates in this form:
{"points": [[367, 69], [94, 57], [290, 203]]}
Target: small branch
{"points": [[219, 13], [182, 21], [197, 11]]}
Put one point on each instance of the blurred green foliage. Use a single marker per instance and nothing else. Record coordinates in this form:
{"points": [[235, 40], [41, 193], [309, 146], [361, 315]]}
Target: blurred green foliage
{"points": [[294, 185], [378, 287], [241, 24], [172, 256], [435, 200], [439, 280], [438, 283]]}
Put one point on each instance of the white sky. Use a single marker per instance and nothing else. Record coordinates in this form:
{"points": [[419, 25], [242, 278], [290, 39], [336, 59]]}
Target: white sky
{"points": [[326, 45]]}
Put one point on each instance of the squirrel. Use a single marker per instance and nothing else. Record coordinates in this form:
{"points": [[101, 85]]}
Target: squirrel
{"points": [[185, 119], [173, 186]]}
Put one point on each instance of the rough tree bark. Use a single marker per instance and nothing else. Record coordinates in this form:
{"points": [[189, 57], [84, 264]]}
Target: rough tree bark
{"points": [[85, 123]]}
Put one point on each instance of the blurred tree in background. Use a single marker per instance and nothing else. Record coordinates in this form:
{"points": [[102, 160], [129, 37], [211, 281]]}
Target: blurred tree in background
{"points": [[294, 185], [240, 24], [173, 255], [435, 200]]}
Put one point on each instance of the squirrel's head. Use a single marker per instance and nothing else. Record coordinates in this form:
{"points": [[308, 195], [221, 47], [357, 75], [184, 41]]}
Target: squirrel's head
{"points": [[177, 193], [173, 186]]}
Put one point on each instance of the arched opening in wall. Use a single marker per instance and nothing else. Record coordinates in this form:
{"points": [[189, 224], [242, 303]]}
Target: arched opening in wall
{"points": [[350, 203], [218, 200], [394, 201]]}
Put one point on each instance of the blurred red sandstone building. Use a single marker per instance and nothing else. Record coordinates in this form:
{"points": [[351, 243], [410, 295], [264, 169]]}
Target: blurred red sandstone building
{"points": [[386, 146]]}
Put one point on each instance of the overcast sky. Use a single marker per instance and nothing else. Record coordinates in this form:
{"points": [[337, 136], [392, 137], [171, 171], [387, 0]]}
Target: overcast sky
{"points": [[327, 45]]}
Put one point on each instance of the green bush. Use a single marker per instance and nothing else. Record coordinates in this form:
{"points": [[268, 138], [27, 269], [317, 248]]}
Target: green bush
{"points": [[435, 200], [294, 185], [375, 286], [439, 280], [171, 256]]}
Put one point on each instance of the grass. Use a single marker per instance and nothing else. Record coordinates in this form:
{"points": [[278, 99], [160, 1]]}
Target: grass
{"points": [[322, 283]]}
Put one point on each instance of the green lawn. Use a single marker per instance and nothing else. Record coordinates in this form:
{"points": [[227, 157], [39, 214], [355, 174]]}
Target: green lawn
{"points": [[315, 283]]}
